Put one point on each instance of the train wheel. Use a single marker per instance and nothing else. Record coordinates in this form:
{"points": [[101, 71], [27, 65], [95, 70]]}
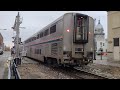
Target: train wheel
{"points": [[56, 63], [49, 61], [45, 60]]}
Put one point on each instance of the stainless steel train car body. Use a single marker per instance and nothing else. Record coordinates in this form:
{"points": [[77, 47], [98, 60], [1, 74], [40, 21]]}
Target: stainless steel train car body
{"points": [[60, 45]]}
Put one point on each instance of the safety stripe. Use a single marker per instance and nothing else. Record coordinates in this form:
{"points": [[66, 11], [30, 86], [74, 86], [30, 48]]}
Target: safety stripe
{"points": [[60, 39]]}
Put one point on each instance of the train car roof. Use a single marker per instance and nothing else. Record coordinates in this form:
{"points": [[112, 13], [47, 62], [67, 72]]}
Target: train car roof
{"points": [[46, 27]]}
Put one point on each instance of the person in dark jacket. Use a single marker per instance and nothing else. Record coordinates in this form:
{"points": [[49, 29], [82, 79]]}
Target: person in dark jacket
{"points": [[12, 50]]}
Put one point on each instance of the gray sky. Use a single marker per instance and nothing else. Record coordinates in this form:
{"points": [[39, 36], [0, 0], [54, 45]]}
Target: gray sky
{"points": [[36, 20]]}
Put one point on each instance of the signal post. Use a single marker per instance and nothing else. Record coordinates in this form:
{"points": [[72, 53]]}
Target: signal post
{"points": [[17, 41]]}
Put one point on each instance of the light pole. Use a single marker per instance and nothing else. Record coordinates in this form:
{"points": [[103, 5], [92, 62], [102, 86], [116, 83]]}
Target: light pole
{"points": [[17, 39]]}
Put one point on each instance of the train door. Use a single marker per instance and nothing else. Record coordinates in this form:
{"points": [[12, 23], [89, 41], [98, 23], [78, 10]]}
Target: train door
{"points": [[81, 27], [46, 54], [80, 35]]}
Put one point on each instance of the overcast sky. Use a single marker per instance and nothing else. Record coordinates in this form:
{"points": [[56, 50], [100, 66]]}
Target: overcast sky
{"points": [[33, 21]]}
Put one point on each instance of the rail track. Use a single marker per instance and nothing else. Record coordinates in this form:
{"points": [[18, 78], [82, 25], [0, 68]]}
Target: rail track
{"points": [[78, 74], [74, 73], [89, 75]]}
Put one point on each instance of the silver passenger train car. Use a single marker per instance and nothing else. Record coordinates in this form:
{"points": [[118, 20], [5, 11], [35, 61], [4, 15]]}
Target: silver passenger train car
{"points": [[66, 41]]}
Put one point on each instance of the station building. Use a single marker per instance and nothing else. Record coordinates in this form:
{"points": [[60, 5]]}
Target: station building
{"points": [[100, 41], [113, 35]]}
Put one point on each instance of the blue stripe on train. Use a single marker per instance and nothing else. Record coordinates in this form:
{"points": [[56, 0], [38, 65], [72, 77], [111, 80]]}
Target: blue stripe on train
{"points": [[47, 42]]}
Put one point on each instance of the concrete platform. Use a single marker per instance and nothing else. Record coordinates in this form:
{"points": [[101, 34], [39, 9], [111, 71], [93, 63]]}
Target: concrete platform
{"points": [[106, 62], [27, 60]]}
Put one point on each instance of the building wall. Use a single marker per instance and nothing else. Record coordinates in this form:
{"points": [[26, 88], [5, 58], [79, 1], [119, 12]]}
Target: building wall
{"points": [[101, 39], [1, 40], [113, 32], [103, 45]]}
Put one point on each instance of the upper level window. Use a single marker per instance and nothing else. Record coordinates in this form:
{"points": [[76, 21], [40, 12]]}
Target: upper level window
{"points": [[41, 34], [38, 36], [46, 32], [52, 29], [116, 41]]}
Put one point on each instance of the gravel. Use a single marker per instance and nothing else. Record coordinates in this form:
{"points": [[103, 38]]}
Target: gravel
{"points": [[34, 70], [103, 70]]}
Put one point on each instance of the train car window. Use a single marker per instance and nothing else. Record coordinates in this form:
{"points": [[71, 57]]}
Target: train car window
{"points": [[54, 44], [40, 51], [38, 36], [46, 32], [54, 48], [34, 38], [41, 34], [35, 51], [29, 40], [53, 29]]}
